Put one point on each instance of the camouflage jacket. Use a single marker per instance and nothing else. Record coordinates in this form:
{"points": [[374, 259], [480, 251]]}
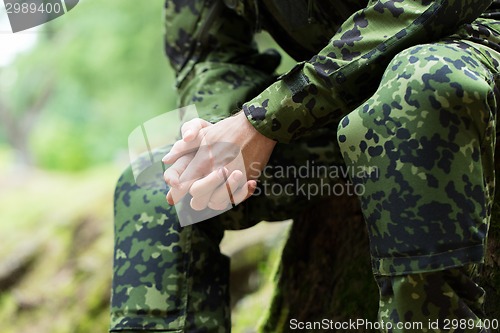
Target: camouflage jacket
{"points": [[342, 48]]}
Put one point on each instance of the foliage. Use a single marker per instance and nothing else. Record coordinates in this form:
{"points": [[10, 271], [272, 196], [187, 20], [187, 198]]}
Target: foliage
{"points": [[94, 75], [104, 68]]}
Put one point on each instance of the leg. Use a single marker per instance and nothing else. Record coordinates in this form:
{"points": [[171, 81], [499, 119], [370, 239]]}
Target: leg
{"points": [[429, 133], [166, 278], [442, 300], [173, 279]]}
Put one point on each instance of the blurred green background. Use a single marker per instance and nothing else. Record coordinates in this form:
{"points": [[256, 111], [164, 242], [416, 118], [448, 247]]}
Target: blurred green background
{"points": [[67, 106]]}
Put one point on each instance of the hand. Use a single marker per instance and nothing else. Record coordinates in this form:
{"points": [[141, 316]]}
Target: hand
{"points": [[181, 155], [203, 162]]}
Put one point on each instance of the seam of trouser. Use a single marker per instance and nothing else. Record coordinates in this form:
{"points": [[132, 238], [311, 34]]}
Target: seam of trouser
{"points": [[476, 52], [187, 261], [466, 255]]}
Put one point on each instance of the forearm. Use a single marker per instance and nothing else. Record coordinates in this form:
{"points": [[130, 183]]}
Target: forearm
{"points": [[349, 68]]}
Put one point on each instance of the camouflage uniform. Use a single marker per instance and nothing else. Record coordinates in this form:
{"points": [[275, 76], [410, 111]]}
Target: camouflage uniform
{"points": [[408, 87]]}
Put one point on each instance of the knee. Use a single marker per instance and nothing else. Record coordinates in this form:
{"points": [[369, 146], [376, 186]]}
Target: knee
{"points": [[437, 78], [426, 90], [142, 176], [124, 184], [141, 202]]}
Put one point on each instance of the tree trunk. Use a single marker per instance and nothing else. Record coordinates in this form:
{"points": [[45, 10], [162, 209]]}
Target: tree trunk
{"points": [[325, 270]]}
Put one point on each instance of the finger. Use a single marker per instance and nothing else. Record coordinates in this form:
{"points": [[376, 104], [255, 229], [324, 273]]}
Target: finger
{"points": [[241, 195], [179, 149], [188, 169], [220, 206], [235, 181], [209, 183], [200, 203], [201, 165], [173, 173], [190, 129], [244, 192], [202, 189], [170, 199], [179, 192], [252, 186], [174, 195], [224, 192]]}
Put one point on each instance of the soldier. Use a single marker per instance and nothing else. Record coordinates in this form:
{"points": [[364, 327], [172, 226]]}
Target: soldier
{"points": [[406, 86]]}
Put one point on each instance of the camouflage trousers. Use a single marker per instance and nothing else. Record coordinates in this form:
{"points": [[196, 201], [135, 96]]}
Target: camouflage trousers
{"points": [[421, 153]]}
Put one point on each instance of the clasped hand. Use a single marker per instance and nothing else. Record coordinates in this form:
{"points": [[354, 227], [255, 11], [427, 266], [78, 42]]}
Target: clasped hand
{"points": [[217, 164]]}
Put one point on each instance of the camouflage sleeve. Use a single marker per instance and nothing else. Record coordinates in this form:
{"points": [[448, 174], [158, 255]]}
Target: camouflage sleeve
{"points": [[348, 70], [217, 64]]}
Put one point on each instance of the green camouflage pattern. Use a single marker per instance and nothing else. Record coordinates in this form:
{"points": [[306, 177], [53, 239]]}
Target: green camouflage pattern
{"points": [[166, 278], [430, 129], [217, 63], [433, 302], [348, 69], [420, 77], [172, 279]]}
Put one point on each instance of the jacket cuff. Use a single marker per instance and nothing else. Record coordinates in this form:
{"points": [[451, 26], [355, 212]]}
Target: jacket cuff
{"points": [[293, 106], [278, 112]]}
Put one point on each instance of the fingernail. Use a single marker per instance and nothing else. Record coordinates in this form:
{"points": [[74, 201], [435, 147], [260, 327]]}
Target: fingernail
{"points": [[165, 157]]}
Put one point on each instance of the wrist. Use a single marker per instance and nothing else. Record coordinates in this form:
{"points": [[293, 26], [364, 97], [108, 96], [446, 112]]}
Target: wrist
{"points": [[251, 131]]}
